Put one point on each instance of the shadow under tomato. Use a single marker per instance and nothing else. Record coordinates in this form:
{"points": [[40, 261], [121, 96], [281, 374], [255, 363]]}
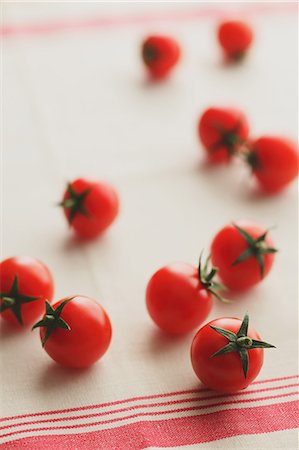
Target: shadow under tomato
{"points": [[237, 296], [9, 330], [54, 376], [73, 242], [224, 181], [253, 193], [160, 341]]}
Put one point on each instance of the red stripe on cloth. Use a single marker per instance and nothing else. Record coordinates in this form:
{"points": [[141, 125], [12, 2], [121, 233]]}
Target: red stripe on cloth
{"points": [[144, 414], [132, 399], [172, 432], [148, 405], [178, 15]]}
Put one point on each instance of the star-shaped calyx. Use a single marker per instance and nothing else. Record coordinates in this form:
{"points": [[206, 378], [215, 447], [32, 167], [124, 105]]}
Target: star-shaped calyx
{"points": [[206, 276], [75, 203], [52, 320], [256, 247], [240, 343], [251, 158], [149, 53], [230, 139], [13, 300]]}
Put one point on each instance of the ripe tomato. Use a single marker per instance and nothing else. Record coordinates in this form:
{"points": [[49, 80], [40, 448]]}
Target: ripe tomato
{"points": [[222, 132], [160, 54], [179, 296], [235, 38], [274, 162], [25, 284], [226, 355], [90, 206], [75, 332], [243, 254]]}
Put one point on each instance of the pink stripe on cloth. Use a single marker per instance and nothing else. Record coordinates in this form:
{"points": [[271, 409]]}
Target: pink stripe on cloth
{"points": [[172, 432], [155, 405], [146, 414], [134, 399], [116, 21]]}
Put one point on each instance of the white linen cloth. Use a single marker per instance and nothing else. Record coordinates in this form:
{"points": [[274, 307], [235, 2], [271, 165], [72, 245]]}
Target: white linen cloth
{"points": [[76, 103]]}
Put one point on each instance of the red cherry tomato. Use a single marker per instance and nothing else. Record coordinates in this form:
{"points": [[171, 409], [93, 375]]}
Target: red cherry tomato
{"points": [[243, 253], [235, 38], [274, 162], [75, 332], [160, 54], [90, 207], [222, 132], [25, 284], [179, 297], [226, 355]]}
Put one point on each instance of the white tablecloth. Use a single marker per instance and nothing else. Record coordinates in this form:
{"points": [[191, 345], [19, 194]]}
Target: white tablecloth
{"points": [[76, 102]]}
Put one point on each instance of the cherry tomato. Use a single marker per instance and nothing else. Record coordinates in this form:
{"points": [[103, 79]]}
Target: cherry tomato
{"points": [[160, 54], [90, 206], [274, 162], [235, 37], [243, 254], [222, 132], [226, 355], [179, 296], [75, 331], [25, 284]]}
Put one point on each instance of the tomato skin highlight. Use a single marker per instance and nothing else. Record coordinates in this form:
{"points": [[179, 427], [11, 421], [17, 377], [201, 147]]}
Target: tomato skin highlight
{"points": [[235, 37], [88, 338], [176, 299], [275, 162], [223, 373], [160, 55], [228, 245], [233, 123], [34, 280], [101, 203]]}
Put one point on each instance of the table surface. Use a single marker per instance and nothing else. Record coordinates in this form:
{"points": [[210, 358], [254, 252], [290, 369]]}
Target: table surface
{"points": [[76, 102]]}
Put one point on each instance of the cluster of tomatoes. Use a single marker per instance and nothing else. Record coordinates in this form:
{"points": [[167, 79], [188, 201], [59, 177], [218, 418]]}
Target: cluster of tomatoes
{"points": [[226, 353], [224, 132]]}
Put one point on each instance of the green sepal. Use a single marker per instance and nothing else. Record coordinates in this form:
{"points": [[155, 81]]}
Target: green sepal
{"points": [[231, 347], [256, 248], [75, 203], [246, 236], [240, 343], [244, 360], [243, 330], [226, 333], [243, 256], [206, 276], [252, 160], [52, 320], [261, 344], [14, 299]]}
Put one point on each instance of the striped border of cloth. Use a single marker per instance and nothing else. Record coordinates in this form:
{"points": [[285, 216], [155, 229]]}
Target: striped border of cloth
{"points": [[168, 419]]}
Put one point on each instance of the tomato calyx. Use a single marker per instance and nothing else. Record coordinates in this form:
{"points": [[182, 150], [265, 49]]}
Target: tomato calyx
{"points": [[206, 276], [149, 53], [240, 343], [229, 139], [238, 56], [252, 159], [52, 320], [75, 203], [256, 247], [13, 300]]}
